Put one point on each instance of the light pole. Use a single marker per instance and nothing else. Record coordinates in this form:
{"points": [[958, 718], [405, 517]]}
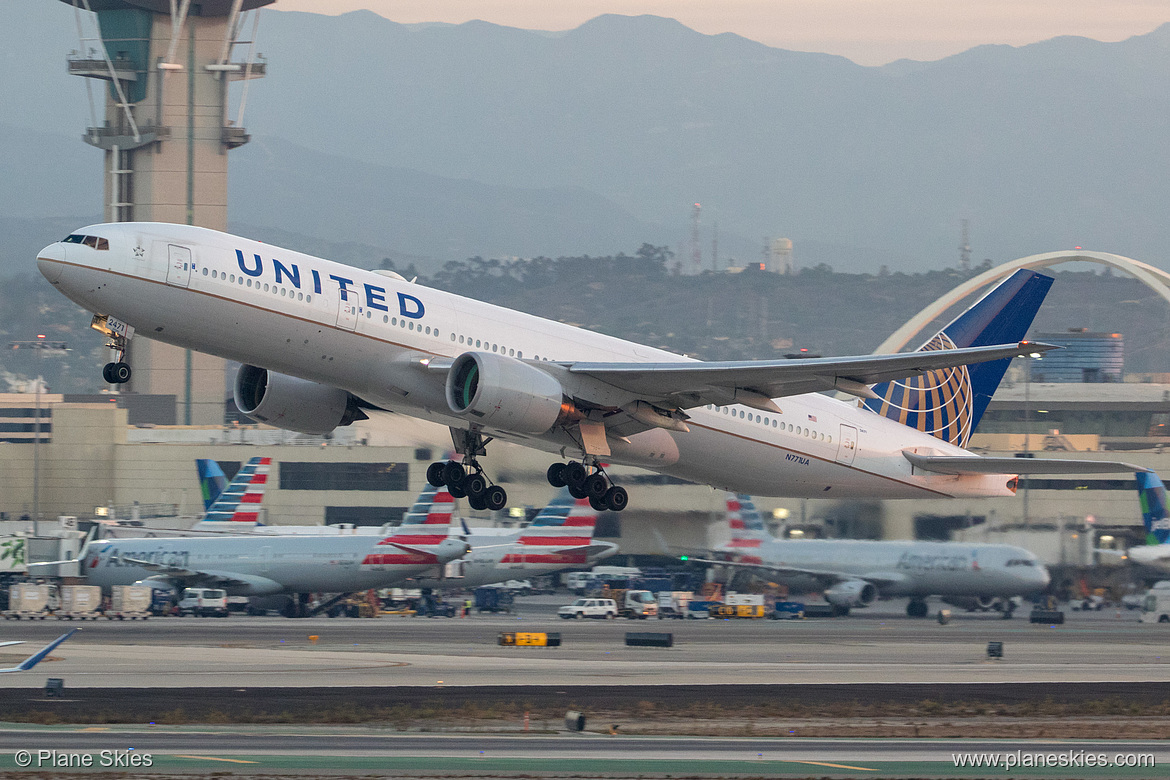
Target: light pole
{"points": [[40, 345]]}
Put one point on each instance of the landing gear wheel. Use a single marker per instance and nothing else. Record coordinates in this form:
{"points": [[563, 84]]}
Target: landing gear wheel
{"points": [[496, 498], [577, 490], [457, 490], [616, 499], [474, 485], [595, 486], [121, 373], [916, 608], [108, 373], [598, 504], [435, 474], [477, 503], [453, 473], [574, 473], [556, 475]]}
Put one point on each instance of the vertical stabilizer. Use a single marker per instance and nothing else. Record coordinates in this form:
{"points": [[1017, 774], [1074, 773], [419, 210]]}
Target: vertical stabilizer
{"points": [[949, 403], [747, 525], [1152, 496], [212, 481], [429, 520], [559, 534], [239, 502]]}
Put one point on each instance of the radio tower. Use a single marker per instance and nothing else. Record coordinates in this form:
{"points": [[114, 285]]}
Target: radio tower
{"points": [[965, 251], [696, 247]]}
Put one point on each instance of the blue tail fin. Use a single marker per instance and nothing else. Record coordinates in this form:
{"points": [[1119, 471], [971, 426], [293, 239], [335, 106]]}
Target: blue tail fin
{"points": [[212, 481], [949, 403], [1152, 495]]}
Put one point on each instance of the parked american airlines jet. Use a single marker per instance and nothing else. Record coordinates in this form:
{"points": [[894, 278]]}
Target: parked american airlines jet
{"points": [[322, 344], [858, 572], [266, 565], [559, 537]]}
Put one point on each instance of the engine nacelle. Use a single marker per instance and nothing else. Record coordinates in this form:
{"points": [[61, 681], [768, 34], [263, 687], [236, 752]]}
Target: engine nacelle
{"points": [[502, 392], [852, 593], [293, 404], [972, 603]]}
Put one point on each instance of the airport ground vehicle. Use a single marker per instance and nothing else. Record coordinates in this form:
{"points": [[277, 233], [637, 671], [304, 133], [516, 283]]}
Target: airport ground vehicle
{"points": [[489, 599], [130, 602], [80, 602], [32, 601], [605, 609], [633, 604], [1156, 608], [203, 602], [787, 610]]}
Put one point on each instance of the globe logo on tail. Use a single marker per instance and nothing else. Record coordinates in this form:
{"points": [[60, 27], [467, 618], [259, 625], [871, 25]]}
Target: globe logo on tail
{"points": [[938, 402]]}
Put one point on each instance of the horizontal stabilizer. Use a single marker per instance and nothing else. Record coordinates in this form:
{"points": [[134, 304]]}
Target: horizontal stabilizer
{"points": [[948, 464]]}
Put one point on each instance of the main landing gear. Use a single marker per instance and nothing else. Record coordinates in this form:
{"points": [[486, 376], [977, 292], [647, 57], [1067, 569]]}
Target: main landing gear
{"points": [[596, 487], [473, 485], [916, 608]]}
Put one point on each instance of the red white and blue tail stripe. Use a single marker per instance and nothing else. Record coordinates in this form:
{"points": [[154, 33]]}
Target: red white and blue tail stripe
{"points": [[240, 500], [426, 524], [560, 534]]}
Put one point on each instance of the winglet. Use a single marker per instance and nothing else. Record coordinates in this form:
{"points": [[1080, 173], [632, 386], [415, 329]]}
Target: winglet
{"points": [[40, 655]]}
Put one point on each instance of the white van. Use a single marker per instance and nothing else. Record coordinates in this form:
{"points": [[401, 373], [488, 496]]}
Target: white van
{"points": [[203, 602]]}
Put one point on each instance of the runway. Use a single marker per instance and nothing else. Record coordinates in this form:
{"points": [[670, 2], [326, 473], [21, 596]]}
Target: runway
{"points": [[339, 750], [874, 647]]}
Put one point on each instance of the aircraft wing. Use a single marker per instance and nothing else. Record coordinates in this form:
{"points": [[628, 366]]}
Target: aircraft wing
{"points": [[190, 577], [754, 382], [881, 580], [948, 464], [7, 644], [38, 656]]}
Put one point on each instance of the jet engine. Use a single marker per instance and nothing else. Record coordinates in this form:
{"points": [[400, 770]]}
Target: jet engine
{"points": [[502, 392], [293, 404], [852, 593], [973, 603]]}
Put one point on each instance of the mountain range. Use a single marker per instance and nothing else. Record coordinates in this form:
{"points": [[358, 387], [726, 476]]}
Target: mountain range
{"points": [[436, 142]]}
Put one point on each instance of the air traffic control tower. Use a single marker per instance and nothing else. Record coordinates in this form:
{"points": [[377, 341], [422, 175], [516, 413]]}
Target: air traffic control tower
{"points": [[166, 67]]}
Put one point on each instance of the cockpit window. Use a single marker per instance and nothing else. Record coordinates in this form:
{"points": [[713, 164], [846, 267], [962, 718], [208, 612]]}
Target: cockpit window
{"points": [[91, 241], [1021, 562]]}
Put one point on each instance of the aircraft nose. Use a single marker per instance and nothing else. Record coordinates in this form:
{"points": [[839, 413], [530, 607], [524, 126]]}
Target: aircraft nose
{"points": [[1042, 577], [51, 260]]}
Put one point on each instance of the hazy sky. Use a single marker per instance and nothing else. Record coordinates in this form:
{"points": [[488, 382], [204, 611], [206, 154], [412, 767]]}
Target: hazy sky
{"points": [[870, 32]]}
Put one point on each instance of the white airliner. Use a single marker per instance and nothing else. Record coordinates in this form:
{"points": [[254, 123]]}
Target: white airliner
{"points": [[857, 572], [266, 565], [323, 343]]}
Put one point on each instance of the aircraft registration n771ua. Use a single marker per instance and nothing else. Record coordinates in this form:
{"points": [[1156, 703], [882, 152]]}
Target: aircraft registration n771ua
{"points": [[323, 343]]}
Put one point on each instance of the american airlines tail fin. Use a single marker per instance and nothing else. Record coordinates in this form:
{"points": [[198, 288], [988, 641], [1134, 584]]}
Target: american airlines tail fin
{"points": [[427, 528], [238, 504], [1152, 495], [561, 533], [747, 525], [429, 520], [949, 403]]}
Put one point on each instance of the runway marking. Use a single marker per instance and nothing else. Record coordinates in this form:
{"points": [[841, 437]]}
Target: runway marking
{"points": [[213, 758], [95, 728], [839, 766]]}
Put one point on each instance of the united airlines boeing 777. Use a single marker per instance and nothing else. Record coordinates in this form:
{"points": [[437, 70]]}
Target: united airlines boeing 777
{"points": [[323, 344]]}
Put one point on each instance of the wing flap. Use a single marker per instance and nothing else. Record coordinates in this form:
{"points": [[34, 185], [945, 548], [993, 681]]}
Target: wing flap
{"points": [[959, 465]]}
